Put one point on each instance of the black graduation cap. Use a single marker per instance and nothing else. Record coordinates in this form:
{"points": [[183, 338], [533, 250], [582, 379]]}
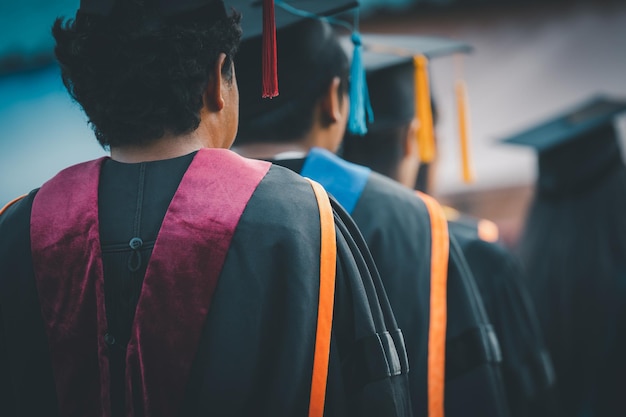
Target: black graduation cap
{"points": [[388, 60], [576, 148], [384, 51], [287, 12], [261, 18], [305, 41], [397, 76]]}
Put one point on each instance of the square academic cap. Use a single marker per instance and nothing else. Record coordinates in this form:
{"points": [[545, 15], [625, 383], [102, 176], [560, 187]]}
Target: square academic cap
{"points": [[394, 63], [389, 63], [287, 12], [576, 148], [287, 15]]}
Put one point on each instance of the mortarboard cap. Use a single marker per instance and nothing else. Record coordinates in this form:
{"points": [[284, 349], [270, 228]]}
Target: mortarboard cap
{"points": [[307, 48], [384, 51], [388, 61], [577, 148], [290, 13], [252, 12], [393, 62]]}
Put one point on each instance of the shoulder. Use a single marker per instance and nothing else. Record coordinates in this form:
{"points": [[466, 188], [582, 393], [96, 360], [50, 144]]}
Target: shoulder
{"points": [[485, 258], [386, 204], [16, 211], [283, 201], [489, 252], [478, 239], [281, 189], [471, 227], [15, 237], [390, 195]]}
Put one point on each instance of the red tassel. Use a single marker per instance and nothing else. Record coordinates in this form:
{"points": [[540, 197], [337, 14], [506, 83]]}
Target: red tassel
{"points": [[270, 70]]}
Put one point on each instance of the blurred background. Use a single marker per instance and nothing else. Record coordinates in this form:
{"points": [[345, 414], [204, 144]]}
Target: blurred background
{"points": [[531, 60]]}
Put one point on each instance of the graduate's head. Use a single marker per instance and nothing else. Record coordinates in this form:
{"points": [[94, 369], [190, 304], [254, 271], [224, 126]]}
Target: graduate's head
{"points": [[313, 75], [389, 147], [142, 70], [576, 150]]}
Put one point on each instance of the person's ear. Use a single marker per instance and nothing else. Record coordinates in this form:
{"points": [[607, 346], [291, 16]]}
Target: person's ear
{"points": [[213, 95], [410, 140], [331, 102]]}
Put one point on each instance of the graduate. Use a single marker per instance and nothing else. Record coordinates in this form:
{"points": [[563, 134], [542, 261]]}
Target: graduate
{"points": [[454, 362], [391, 148], [573, 245], [176, 278]]}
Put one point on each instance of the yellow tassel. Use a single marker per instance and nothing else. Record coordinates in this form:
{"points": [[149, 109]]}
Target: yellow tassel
{"points": [[466, 162], [463, 120], [423, 111]]}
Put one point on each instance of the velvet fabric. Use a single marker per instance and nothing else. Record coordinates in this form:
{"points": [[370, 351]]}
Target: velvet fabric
{"points": [[175, 297]]}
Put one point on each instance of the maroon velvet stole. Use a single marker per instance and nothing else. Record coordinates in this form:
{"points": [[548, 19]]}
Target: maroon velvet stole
{"points": [[176, 295]]}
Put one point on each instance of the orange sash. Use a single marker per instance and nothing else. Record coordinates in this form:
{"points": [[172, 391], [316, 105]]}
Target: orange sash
{"points": [[440, 249], [328, 264]]}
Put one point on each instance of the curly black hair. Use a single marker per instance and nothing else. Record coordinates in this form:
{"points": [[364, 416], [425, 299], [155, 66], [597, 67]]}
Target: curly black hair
{"points": [[139, 75]]}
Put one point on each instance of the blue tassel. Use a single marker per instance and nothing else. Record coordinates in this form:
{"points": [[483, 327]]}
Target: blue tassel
{"points": [[361, 112]]}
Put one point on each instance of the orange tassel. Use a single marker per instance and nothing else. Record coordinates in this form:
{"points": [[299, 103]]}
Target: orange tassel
{"points": [[423, 110], [462, 114]]}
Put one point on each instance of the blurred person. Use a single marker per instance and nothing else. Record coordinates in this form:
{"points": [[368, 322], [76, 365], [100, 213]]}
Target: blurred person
{"points": [[407, 234], [573, 245], [390, 147], [176, 277]]}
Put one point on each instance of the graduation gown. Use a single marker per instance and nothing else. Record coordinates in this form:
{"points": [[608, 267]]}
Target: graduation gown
{"points": [[228, 330], [527, 367], [397, 227]]}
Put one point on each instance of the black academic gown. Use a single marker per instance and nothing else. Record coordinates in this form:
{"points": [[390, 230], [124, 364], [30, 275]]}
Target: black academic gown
{"points": [[396, 227], [255, 349], [527, 367]]}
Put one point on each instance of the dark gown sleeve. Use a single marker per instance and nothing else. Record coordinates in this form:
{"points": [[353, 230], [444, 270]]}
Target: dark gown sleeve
{"points": [[527, 368], [25, 368], [474, 384], [6, 390], [378, 393]]}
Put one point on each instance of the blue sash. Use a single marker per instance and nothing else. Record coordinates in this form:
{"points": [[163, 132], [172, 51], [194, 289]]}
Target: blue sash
{"points": [[342, 179]]}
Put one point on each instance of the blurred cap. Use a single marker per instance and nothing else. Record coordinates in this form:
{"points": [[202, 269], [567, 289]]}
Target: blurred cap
{"points": [[577, 148], [385, 51], [399, 87]]}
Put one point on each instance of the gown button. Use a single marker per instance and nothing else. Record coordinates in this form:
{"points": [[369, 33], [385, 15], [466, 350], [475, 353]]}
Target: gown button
{"points": [[135, 243], [109, 339]]}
